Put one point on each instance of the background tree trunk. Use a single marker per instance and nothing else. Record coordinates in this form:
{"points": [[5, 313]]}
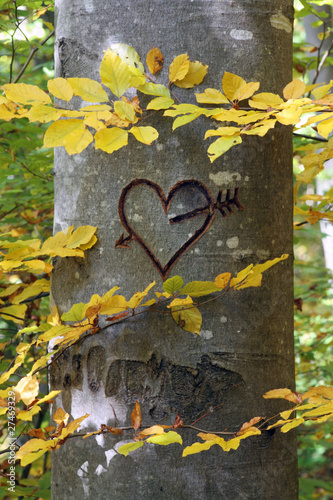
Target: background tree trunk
{"points": [[246, 346]]}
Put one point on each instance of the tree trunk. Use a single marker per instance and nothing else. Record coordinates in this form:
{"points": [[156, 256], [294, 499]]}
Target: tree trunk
{"points": [[246, 344]]}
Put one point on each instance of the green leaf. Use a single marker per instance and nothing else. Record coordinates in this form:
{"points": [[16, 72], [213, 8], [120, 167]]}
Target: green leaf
{"points": [[166, 438], [199, 288], [125, 449], [173, 284], [76, 313]]}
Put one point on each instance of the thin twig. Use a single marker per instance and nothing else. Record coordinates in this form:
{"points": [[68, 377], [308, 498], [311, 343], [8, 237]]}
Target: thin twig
{"points": [[32, 53]]}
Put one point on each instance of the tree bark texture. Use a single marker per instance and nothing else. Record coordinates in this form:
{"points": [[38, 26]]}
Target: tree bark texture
{"points": [[246, 344]]}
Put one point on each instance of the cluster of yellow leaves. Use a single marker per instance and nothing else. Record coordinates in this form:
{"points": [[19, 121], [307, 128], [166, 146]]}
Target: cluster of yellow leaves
{"points": [[120, 70], [50, 438], [110, 122], [32, 256], [319, 406], [85, 317]]}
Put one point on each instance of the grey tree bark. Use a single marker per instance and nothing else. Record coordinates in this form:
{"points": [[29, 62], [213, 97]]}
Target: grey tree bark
{"points": [[246, 346]]}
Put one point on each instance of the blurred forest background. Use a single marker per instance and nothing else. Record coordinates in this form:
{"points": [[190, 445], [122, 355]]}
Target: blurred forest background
{"points": [[26, 211]]}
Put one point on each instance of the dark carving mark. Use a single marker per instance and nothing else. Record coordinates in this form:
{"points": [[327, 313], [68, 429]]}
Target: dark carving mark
{"points": [[67, 380], [209, 209], [166, 388], [95, 367]]}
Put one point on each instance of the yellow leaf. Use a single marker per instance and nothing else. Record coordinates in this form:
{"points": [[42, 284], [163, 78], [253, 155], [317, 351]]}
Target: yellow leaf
{"points": [[54, 332], [217, 148], [277, 394], [125, 449], [124, 110], [188, 319], [25, 94], [320, 92], [27, 389], [81, 236], [44, 114], [144, 134], [166, 438], [61, 416], [325, 127], [181, 302], [291, 425], [196, 73], [197, 448], [154, 89], [222, 131], [154, 60], [294, 89], [160, 103], [155, 429], [78, 140], [41, 362], [211, 96], [222, 280], [138, 296], [14, 313], [35, 288], [32, 450], [58, 132], [247, 90], [178, 68], [289, 116], [251, 276], [27, 415], [6, 114], [111, 139], [265, 100], [114, 305], [115, 74], [89, 90], [128, 55], [183, 120], [94, 122], [231, 85], [60, 88]]}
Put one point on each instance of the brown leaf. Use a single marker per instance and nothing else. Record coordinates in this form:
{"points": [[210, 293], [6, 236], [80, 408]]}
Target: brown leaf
{"points": [[37, 433], [155, 60], [134, 102], [117, 316], [49, 428], [136, 417], [247, 425], [294, 397], [298, 304], [178, 422], [113, 430], [93, 310]]}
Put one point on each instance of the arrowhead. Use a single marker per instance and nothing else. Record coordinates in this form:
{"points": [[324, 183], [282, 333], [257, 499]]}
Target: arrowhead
{"points": [[123, 242]]}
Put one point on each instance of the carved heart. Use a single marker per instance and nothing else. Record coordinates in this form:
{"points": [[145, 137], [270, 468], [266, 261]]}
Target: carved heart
{"points": [[209, 210]]}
